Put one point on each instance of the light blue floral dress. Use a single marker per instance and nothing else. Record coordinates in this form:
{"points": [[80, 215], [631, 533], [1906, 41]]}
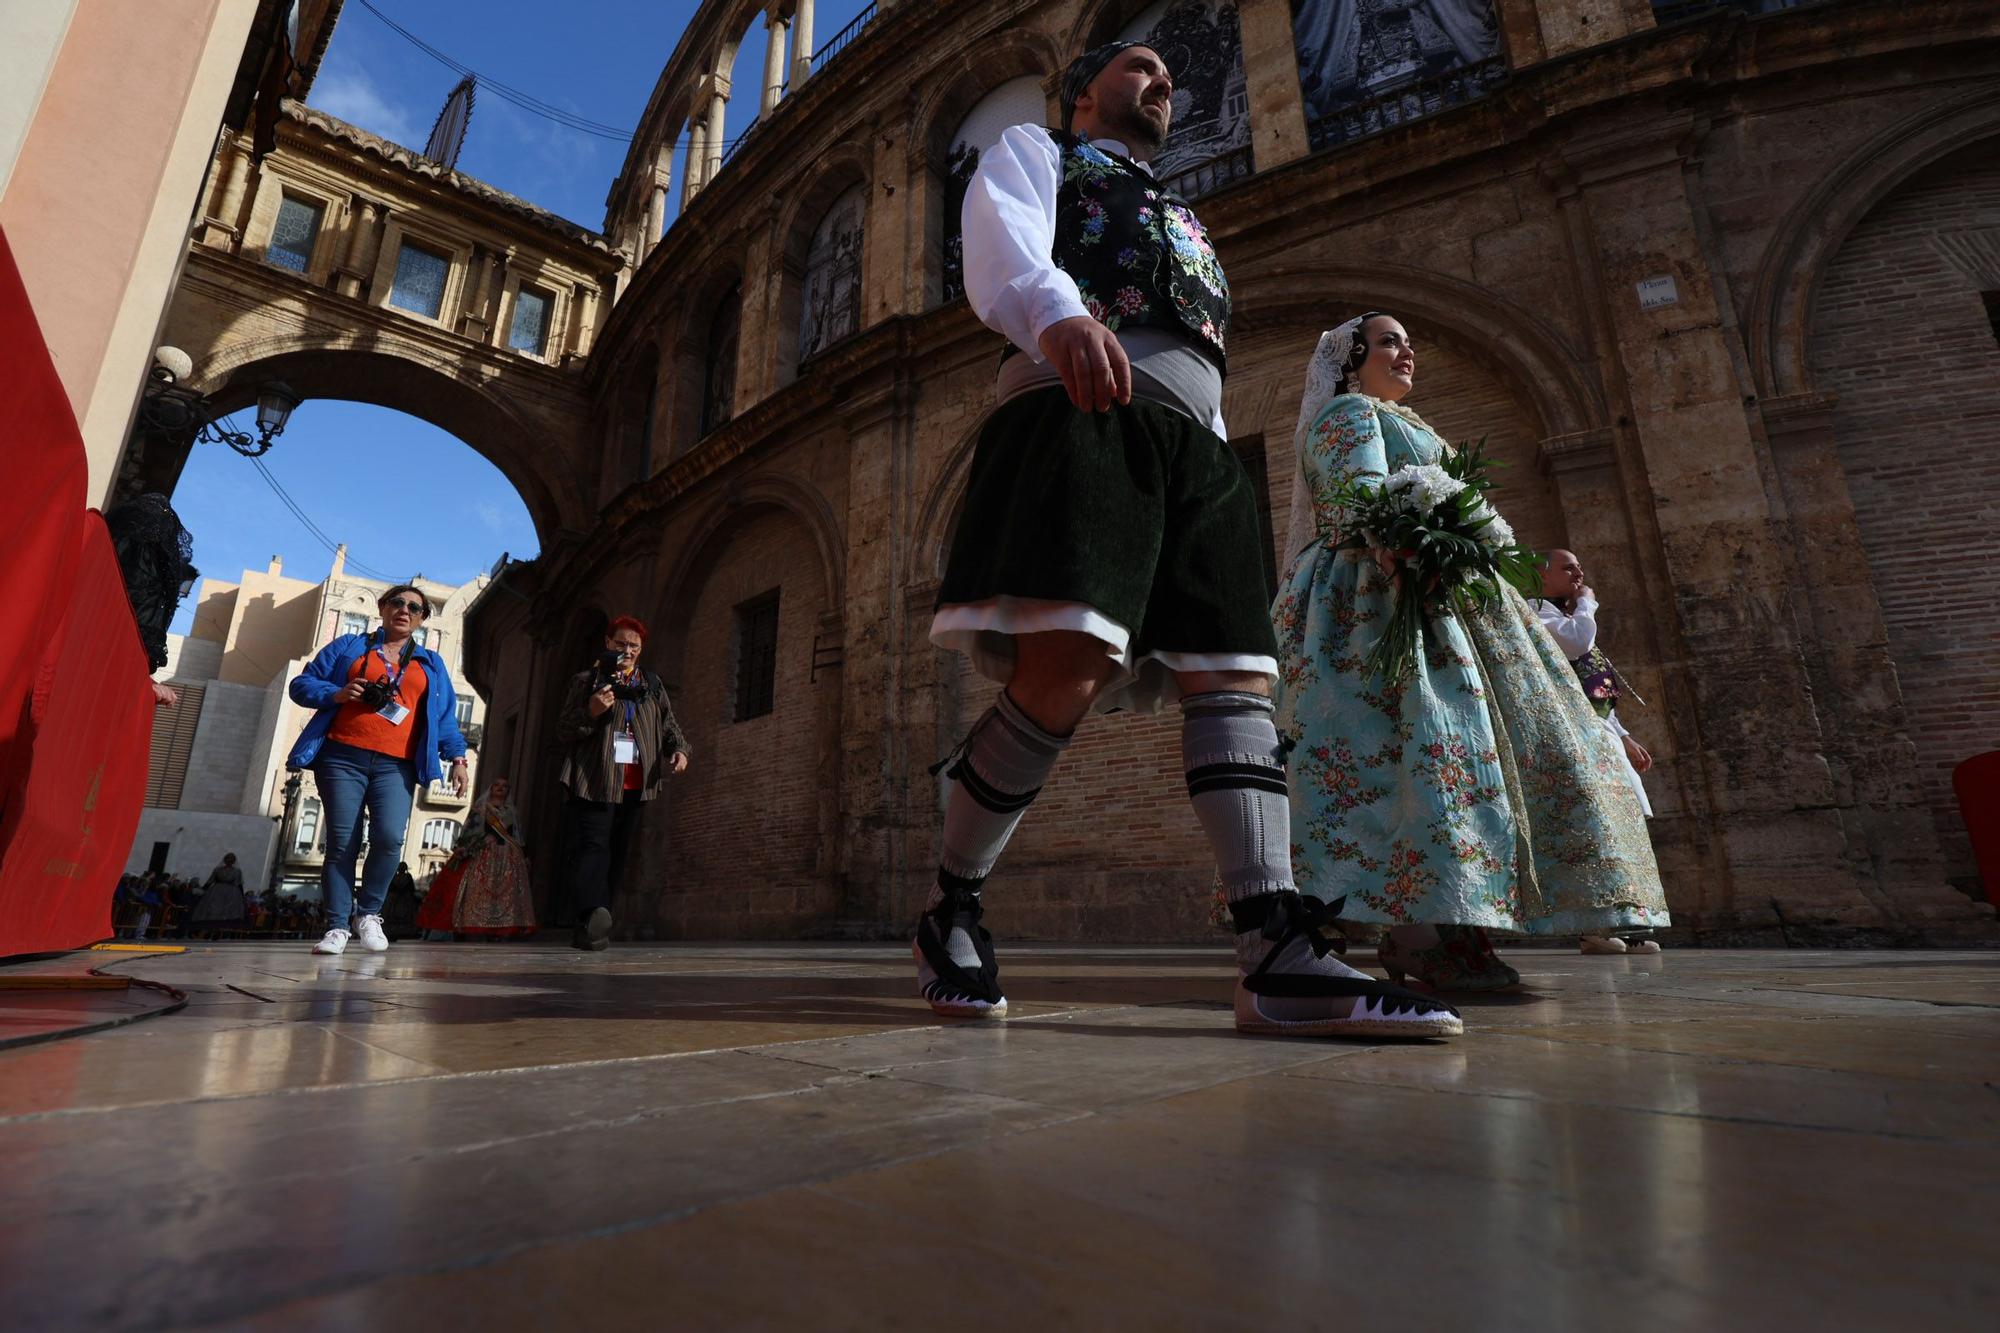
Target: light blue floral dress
{"points": [[1483, 791]]}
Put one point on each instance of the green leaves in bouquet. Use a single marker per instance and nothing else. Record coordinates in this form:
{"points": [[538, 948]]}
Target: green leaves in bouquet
{"points": [[1450, 561]]}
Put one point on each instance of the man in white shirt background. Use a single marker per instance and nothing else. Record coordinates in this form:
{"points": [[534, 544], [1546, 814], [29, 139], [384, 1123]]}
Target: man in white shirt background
{"points": [[1108, 554]]}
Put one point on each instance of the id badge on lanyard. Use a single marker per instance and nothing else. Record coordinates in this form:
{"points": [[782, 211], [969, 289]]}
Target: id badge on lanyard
{"points": [[395, 710], [625, 745]]}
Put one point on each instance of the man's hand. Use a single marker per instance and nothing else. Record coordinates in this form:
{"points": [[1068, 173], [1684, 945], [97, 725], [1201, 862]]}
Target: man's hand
{"points": [[1093, 366], [458, 783], [1641, 761], [600, 702], [678, 764]]}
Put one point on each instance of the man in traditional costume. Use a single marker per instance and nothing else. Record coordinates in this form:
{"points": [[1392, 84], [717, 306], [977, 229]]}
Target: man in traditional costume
{"points": [[1108, 553]]}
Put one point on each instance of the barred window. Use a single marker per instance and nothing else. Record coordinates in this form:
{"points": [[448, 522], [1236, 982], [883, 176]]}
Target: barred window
{"points": [[530, 331], [440, 834], [420, 280], [756, 656], [293, 234], [353, 622]]}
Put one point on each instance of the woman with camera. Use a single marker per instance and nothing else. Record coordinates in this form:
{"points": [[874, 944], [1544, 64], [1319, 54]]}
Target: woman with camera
{"points": [[620, 741], [386, 713]]}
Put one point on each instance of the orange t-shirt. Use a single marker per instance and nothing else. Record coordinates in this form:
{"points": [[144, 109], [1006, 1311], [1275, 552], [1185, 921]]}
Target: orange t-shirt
{"points": [[362, 727]]}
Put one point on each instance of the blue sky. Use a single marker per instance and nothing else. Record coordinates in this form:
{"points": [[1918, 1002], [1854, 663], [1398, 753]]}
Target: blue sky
{"points": [[404, 495]]}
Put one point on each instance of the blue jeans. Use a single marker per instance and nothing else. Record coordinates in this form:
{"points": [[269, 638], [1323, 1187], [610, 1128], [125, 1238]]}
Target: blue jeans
{"points": [[352, 781]]}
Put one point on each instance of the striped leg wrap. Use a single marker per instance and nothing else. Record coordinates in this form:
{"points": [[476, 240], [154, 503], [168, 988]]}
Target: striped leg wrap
{"points": [[1236, 780], [996, 775]]}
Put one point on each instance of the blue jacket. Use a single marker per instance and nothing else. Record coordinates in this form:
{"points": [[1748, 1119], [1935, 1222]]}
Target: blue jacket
{"points": [[326, 676]]}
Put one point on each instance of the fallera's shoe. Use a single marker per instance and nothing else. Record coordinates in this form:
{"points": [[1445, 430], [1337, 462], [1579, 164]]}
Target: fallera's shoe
{"points": [[1288, 985], [1602, 944], [1642, 946], [334, 941], [1461, 960], [368, 931], [956, 971]]}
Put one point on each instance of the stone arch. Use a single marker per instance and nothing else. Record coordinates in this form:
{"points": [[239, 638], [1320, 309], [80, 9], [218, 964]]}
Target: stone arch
{"points": [[1099, 22], [954, 88], [802, 500], [762, 803], [685, 363], [1914, 470], [437, 389], [1525, 348], [630, 420], [1812, 232]]}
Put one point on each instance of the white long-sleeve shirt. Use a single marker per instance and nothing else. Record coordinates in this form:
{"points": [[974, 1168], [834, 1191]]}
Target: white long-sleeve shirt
{"points": [[1008, 226], [1575, 632]]}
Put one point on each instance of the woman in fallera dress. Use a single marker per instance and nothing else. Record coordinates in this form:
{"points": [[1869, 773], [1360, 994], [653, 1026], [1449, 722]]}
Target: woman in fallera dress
{"points": [[1481, 793], [483, 890]]}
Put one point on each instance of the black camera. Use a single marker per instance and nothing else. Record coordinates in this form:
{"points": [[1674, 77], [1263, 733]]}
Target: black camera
{"points": [[607, 664], [608, 674], [376, 693]]}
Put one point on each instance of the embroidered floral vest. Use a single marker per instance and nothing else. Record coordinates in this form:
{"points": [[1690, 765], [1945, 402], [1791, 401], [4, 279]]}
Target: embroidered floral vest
{"points": [[1138, 254]]}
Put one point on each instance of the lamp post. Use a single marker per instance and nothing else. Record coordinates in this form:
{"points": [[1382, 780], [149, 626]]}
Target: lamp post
{"points": [[176, 412], [293, 784]]}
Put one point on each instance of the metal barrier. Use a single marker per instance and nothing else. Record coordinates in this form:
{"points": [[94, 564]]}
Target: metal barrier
{"points": [[1207, 177]]}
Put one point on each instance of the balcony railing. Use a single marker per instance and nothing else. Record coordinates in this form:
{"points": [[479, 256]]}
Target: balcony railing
{"points": [[1412, 101], [839, 42], [729, 149], [1207, 177]]}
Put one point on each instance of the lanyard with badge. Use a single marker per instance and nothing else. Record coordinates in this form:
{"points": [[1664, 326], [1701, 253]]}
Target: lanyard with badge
{"points": [[625, 744], [395, 710]]}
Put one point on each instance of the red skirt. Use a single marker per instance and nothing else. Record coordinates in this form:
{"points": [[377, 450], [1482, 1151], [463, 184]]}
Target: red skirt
{"points": [[441, 903]]}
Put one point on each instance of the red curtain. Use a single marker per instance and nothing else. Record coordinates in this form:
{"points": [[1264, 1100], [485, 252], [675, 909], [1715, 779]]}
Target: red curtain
{"points": [[75, 702]]}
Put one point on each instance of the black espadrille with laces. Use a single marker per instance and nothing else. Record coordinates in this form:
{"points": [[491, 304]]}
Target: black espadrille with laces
{"points": [[1289, 983], [956, 970]]}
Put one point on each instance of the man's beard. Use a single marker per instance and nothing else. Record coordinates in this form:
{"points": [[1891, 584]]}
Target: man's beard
{"points": [[1129, 122]]}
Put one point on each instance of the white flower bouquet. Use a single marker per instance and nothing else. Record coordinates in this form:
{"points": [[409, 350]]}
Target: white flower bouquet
{"points": [[1451, 550]]}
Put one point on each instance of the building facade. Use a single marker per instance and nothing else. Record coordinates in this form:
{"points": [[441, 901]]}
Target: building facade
{"points": [[1653, 255], [218, 781]]}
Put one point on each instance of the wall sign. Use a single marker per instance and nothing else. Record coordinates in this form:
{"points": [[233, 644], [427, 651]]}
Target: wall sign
{"points": [[1657, 292]]}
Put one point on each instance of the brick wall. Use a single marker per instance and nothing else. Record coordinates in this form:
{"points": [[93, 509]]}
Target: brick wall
{"points": [[738, 851], [1901, 334]]}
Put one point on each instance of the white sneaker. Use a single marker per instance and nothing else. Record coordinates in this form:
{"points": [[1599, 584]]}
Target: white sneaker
{"points": [[369, 931], [334, 941]]}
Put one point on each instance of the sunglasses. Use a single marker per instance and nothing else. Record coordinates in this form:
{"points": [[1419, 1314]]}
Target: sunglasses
{"points": [[403, 604]]}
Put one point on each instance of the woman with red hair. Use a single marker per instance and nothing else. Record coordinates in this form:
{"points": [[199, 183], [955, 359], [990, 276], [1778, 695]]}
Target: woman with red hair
{"points": [[620, 741]]}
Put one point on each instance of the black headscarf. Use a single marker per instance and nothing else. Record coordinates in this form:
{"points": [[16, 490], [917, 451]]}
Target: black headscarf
{"points": [[1076, 79]]}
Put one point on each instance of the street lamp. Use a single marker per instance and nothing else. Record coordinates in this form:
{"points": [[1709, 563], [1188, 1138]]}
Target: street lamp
{"points": [[293, 783], [177, 412]]}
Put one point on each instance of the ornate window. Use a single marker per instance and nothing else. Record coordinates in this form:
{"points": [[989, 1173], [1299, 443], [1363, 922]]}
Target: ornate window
{"points": [[831, 309], [420, 279], [1368, 65], [294, 233], [1015, 102], [440, 834], [530, 331], [1200, 41], [353, 622], [718, 379]]}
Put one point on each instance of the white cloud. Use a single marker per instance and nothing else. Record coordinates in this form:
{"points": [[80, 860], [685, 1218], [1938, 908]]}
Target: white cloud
{"points": [[489, 514], [352, 96]]}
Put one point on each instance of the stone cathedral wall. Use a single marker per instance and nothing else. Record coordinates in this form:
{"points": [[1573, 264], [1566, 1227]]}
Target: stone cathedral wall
{"points": [[1753, 497]]}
